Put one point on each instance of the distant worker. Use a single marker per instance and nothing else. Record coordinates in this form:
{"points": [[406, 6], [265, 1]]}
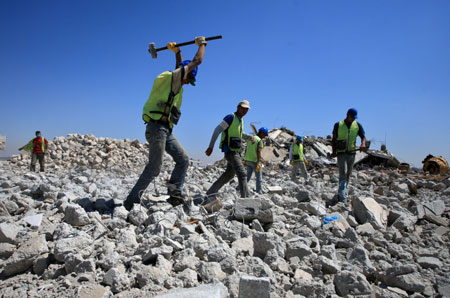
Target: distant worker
{"points": [[231, 128], [252, 157], [344, 147], [297, 159], [37, 146], [161, 112]]}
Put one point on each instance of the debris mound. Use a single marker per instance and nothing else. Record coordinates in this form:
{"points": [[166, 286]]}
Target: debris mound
{"points": [[64, 233]]}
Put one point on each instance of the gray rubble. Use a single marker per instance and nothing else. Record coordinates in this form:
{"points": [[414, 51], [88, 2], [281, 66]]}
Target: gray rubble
{"points": [[64, 233]]}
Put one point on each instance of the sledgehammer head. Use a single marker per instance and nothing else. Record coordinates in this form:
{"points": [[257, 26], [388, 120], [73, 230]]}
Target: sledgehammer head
{"points": [[152, 50]]}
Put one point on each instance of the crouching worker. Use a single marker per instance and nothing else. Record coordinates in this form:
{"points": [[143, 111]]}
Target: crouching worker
{"points": [[297, 159], [161, 112], [252, 159]]}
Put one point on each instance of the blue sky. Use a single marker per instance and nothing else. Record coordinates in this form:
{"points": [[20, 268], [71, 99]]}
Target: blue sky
{"points": [[83, 67]]}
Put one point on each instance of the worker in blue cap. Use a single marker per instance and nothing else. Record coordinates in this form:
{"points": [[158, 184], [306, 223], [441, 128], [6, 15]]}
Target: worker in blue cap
{"points": [[252, 158], [161, 112], [298, 159], [344, 148]]}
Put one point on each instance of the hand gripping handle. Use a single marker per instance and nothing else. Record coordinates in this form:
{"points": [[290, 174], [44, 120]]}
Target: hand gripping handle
{"points": [[190, 42]]}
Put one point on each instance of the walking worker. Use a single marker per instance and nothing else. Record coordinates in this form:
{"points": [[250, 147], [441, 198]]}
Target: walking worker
{"points": [[161, 112], [252, 157], [231, 127], [297, 159], [344, 147], [37, 146]]}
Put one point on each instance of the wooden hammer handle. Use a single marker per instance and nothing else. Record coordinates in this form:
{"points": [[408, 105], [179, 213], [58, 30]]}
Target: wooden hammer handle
{"points": [[190, 42]]}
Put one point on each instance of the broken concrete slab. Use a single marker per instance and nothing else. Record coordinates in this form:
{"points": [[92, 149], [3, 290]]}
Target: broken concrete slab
{"points": [[436, 207], [8, 233], [92, 291], [250, 286], [23, 258], [366, 209], [249, 209], [429, 262], [322, 149], [275, 189], [215, 290]]}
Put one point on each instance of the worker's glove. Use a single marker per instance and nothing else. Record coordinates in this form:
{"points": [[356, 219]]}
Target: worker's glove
{"points": [[258, 168], [306, 162], [244, 163], [173, 47], [199, 40]]}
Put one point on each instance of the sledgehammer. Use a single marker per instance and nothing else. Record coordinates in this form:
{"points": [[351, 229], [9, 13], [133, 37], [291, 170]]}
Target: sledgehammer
{"points": [[154, 51]]}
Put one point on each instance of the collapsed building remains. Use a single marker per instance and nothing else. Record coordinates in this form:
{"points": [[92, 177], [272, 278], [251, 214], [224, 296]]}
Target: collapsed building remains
{"points": [[64, 233]]}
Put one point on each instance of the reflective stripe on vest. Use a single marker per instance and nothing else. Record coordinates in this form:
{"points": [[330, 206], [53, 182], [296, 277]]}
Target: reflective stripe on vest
{"points": [[156, 107], [43, 144], [233, 131], [347, 135], [298, 150], [251, 153]]}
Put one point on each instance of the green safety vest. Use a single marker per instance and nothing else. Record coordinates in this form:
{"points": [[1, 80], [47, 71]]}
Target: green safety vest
{"points": [[297, 154], [347, 135], [29, 147], [233, 135], [251, 153], [158, 103]]}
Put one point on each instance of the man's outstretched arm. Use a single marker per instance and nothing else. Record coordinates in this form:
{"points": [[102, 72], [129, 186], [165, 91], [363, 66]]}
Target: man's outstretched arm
{"points": [[198, 58]]}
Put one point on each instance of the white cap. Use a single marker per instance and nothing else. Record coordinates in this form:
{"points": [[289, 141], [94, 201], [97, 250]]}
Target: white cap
{"points": [[244, 103]]}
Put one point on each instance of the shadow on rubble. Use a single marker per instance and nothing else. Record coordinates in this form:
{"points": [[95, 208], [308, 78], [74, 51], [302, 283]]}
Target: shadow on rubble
{"points": [[103, 206]]}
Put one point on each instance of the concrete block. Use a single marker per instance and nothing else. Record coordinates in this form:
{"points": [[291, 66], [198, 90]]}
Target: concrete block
{"points": [[368, 210], [250, 287]]}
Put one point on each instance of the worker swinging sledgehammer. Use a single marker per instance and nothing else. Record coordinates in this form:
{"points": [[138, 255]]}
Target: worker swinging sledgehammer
{"points": [[161, 112]]}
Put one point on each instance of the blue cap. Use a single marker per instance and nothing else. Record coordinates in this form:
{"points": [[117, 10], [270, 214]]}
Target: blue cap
{"points": [[193, 72], [300, 138], [264, 130], [353, 112]]}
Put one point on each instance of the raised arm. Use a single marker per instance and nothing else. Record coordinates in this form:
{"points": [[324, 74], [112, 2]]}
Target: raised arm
{"points": [[173, 47], [198, 58]]}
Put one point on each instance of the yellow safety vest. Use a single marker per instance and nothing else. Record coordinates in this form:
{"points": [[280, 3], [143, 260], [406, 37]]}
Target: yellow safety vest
{"points": [[297, 154], [346, 138], [251, 153], [158, 103], [233, 135]]}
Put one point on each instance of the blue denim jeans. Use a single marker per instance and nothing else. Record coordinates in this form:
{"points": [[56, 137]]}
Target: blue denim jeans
{"points": [[251, 166], [160, 139], [345, 163], [234, 166]]}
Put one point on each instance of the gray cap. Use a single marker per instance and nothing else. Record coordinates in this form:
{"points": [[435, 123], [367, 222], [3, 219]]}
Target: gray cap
{"points": [[244, 103]]}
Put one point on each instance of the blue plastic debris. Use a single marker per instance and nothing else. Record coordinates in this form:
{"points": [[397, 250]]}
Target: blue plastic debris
{"points": [[328, 219]]}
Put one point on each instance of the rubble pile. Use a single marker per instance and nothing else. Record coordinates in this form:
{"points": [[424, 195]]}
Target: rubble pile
{"points": [[2, 142], [64, 233], [89, 152]]}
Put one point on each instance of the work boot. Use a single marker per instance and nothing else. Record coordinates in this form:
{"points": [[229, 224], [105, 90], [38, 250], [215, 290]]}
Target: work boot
{"points": [[128, 203], [212, 204], [176, 197]]}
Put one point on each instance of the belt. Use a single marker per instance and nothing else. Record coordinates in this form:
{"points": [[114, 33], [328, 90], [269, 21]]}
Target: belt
{"points": [[163, 120]]}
